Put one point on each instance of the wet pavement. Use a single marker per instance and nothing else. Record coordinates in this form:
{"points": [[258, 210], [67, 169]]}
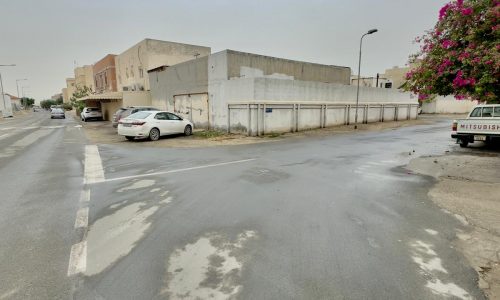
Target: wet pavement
{"points": [[332, 217]]}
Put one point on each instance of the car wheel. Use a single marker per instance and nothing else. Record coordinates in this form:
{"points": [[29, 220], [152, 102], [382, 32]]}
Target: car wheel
{"points": [[52, 117], [464, 143], [130, 138], [188, 130], [154, 134]]}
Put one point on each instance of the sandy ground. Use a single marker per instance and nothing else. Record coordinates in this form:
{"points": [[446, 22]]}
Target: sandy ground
{"points": [[468, 186], [103, 133]]}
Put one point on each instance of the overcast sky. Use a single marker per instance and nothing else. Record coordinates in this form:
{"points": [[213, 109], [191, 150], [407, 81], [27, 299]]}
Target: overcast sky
{"points": [[45, 38]]}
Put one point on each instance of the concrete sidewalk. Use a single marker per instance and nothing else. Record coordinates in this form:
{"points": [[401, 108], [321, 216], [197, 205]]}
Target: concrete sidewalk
{"points": [[468, 186]]}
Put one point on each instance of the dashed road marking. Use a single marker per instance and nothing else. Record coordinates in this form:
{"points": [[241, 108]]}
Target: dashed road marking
{"points": [[94, 171], [85, 197], [82, 218], [78, 258]]}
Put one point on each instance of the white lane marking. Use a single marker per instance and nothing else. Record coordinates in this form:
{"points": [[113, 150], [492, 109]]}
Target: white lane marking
{"points": [[78, 259], [94, 172], [8, 128], [85, 196], [3, 136], [82, 218], [181, 170]]}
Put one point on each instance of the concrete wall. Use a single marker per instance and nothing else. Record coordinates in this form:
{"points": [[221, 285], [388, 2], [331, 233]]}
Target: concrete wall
{"points": [[109, 108], [246, 65], [5, 106], [264, 117], [222, 92], [133, 64], [136, 98], [448, 105], [182, 79]]}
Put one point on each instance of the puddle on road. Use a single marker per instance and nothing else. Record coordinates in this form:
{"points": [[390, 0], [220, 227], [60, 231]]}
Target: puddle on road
{"points": [[208, 268], [431, 268], [140, 184], [114, 236]]}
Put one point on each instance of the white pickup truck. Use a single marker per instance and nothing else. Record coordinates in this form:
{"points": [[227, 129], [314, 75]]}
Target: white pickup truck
{"points": [[482, 124]]}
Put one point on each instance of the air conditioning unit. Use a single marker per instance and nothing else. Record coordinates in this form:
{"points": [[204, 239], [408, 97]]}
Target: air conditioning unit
{"points": [[125, 88]]}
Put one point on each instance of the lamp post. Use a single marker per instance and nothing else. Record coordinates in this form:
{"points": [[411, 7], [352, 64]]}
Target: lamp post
{"points": [[371, 31], [1, 84], [17, 85]]}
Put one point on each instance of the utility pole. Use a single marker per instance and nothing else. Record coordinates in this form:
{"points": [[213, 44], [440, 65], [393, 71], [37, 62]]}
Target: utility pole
{"points": [[1, 85]]}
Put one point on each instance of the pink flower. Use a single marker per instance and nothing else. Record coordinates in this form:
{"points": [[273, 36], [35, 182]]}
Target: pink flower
{"points": [[476, 60], [447, 44], [443, 11], [466, 11], [422, 96], [460, 97]]}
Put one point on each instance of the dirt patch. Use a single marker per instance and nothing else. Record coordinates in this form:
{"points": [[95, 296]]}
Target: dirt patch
{"points": [[469, 187], [104, 133]]}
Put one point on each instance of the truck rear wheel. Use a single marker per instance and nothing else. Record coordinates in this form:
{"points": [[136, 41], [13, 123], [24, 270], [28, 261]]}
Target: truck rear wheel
{"points": [[464, 143]]}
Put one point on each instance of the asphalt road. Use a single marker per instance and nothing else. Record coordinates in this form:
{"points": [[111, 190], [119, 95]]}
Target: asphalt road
{"points": [[334, 217]]}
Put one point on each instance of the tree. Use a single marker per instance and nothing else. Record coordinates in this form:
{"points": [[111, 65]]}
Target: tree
{"points": [[27, 102], [77, 95], [46, 104], [460, 55]]}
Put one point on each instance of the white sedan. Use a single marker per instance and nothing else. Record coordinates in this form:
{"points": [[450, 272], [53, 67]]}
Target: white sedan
{"points": [[153, 124]]}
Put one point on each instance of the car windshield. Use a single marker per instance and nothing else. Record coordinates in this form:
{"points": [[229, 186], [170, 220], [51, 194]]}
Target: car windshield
{"points": [[139, 115], [57, 110], [93, 109]]}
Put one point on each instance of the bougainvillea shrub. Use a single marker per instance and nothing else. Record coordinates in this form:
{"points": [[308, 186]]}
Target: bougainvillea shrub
{"points": [[460, 55]]}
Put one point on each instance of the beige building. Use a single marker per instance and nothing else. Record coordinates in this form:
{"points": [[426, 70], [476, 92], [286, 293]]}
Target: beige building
{"points": [[69, 90], [133, 64], [84, 76]]}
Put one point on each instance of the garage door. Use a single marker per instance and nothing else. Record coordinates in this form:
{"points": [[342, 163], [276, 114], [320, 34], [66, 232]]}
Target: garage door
{"points": [[194, 108]]}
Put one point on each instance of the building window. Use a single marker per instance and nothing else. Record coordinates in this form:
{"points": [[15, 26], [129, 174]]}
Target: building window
{"points": [[126, 72], [105, 80], [132, 70], [141, 73]]}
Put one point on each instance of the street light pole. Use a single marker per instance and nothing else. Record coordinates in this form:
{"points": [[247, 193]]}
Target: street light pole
{"points": [[359, 75], [17, 85], [1, 85]]}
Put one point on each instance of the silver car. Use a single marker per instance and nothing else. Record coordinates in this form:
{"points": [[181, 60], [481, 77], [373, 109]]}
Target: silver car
{"points": [[124, 112], [57, 113]]}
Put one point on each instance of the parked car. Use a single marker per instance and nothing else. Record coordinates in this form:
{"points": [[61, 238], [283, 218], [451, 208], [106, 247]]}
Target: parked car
{"points": [[127, 111], [91, 113], [153, 124], [482, 124], [57, 113]]}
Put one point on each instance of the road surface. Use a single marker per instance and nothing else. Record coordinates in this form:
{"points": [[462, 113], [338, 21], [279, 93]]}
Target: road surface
{"points": [[332, 217]]}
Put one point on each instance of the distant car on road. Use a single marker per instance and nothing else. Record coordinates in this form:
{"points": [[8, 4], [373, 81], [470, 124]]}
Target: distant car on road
{"points": [[153, 124], [57, 113], [91, 113], [127, 111], [482, 124]]}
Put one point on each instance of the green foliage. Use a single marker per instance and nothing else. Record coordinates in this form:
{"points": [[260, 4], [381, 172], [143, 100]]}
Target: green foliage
{"points": [[27, 102], [46, 104], [78, 94], [67, 106], [460, 55]]}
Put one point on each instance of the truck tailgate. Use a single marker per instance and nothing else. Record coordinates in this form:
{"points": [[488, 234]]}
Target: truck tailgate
{"points": [[477, 126]]}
